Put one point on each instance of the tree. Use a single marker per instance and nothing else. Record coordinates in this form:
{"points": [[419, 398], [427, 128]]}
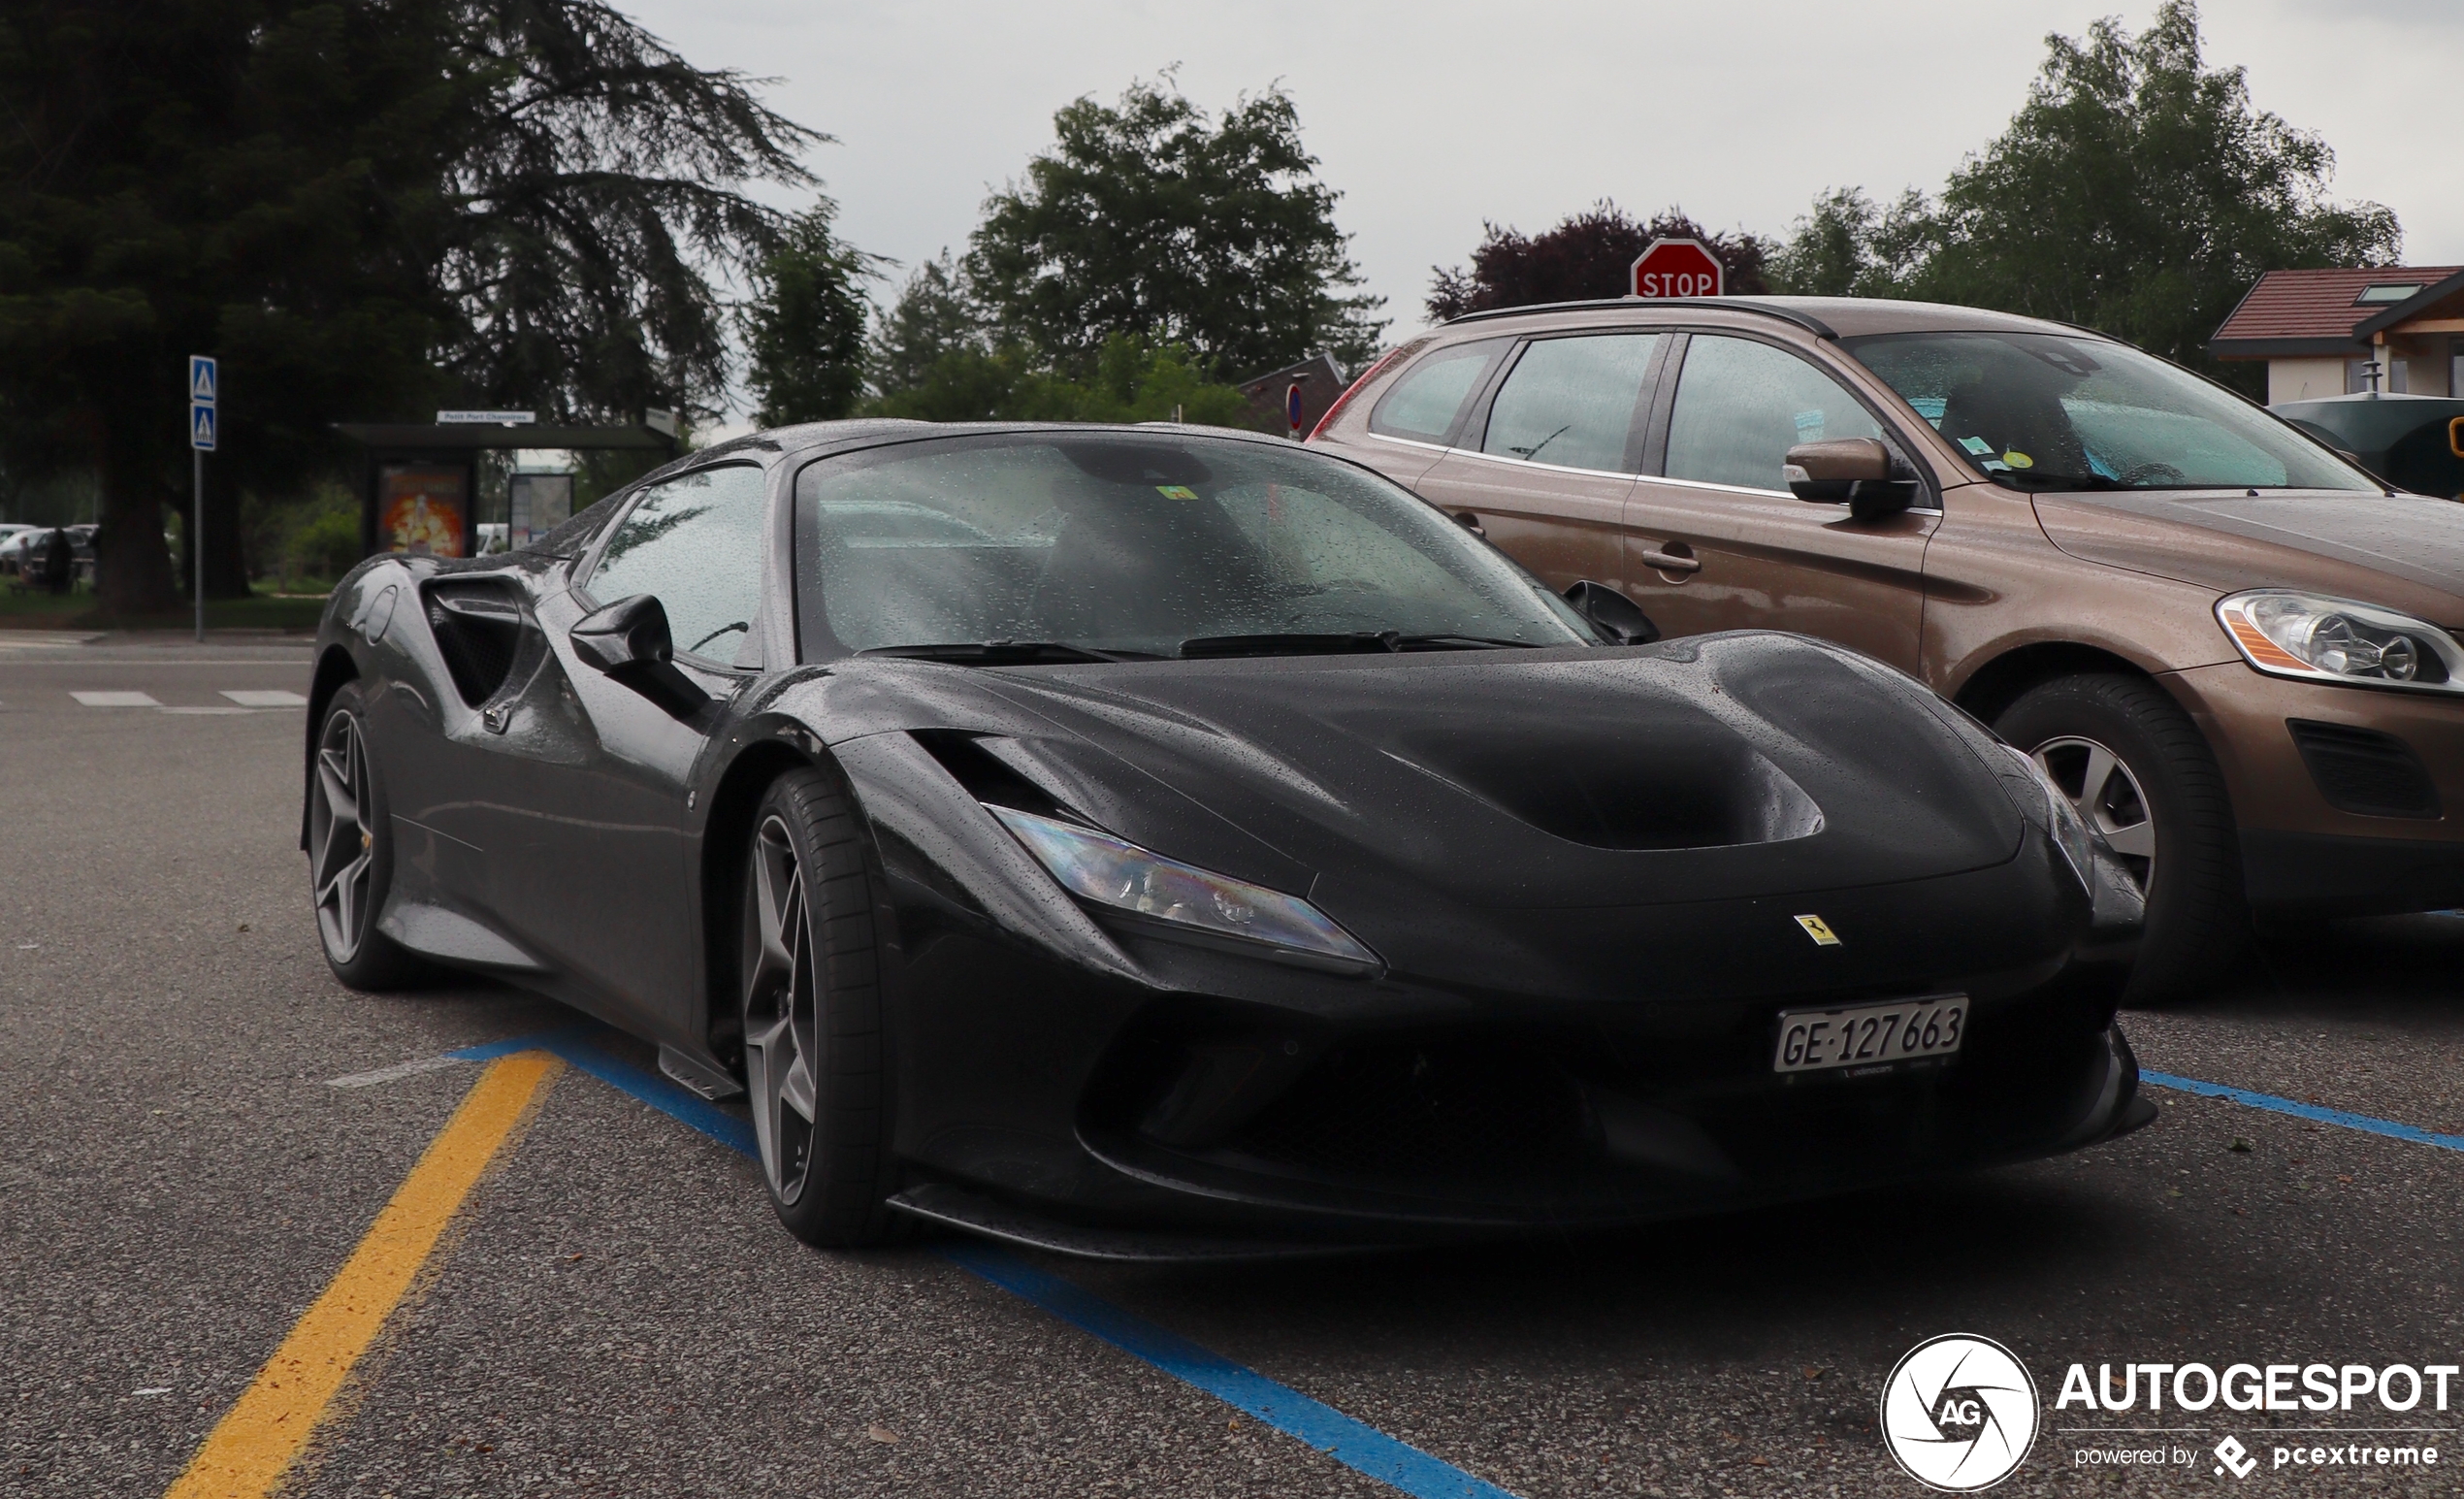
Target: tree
{"points": [[1156, 220], [243, 178], [1588, 255], [2137, 191], [804, 328], [363, 207], [934, 317], [1129, 379], [595, 182], [1848, 247]]}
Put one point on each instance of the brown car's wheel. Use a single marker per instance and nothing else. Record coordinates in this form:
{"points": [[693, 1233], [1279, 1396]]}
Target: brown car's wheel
{"points": [[2140, 773], [812, 1063]]}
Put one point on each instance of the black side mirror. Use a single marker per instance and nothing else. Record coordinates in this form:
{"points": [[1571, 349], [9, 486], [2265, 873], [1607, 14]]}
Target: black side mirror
{"points": [[1860, 470], [1618, 619], [629, 640]]}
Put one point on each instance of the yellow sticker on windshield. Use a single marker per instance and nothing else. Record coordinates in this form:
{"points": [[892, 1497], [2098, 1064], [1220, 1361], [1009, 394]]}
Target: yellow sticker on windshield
{"points": [[2019, 460], [1175, 491]]}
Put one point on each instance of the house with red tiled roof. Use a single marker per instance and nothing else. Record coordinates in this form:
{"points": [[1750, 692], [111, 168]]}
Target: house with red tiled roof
{"points": [[2337, 332]]}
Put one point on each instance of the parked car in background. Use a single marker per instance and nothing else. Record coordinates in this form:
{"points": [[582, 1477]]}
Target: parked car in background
{"points": [[26, 552], [2414, 443], [2236, 652]]}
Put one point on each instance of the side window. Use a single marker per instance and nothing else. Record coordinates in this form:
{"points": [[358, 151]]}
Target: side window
{"points": [[1572, 401], [695, 542], [1423, 405], [1741, 405]]}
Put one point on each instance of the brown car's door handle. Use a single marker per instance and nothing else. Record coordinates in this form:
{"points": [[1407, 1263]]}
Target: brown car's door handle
{"points": [[1671, 561], [1470, 523]]}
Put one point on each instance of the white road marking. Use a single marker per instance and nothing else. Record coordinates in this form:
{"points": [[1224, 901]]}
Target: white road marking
{"points": [[264, 697], [39, 640], [214, 709], [115, 700], [398, 1070]]}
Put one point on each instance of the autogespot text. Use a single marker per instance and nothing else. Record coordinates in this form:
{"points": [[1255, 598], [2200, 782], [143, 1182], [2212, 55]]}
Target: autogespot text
{"points": [[2309, 1388], [2255, 1386]]}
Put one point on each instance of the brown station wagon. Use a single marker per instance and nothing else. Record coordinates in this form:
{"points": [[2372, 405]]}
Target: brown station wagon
{"points": [[2237, 651]]}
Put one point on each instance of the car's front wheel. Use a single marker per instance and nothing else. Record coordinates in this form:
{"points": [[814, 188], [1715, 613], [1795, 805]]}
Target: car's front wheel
{"points": [[812, 1013], [2140, 773], [351, 853]]}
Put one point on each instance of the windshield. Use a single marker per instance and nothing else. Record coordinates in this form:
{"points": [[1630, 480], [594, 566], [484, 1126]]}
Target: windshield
{"points": [[1138, 544], [2040, 411]]}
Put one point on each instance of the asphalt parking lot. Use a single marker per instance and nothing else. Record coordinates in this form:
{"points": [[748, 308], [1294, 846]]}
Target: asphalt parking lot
{"points": [[613, 1308]]}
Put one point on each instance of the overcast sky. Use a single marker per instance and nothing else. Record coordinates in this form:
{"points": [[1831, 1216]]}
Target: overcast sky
{"points": [[1434, 115]]}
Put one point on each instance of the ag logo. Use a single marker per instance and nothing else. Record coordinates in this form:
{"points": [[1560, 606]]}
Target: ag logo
{"points": [[1820, 931], [1959, 1413]]}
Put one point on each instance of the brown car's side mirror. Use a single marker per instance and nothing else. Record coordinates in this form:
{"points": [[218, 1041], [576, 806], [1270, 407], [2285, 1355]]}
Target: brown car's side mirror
{"points": [[1859, 471]]}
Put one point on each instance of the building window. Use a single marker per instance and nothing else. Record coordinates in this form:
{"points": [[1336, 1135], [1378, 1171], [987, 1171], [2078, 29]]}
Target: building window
{"points": [[2391, 375], [2386, 293]]}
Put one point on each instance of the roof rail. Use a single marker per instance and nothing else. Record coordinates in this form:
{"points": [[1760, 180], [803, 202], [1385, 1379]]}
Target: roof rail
{"points": [[1805, 320]]}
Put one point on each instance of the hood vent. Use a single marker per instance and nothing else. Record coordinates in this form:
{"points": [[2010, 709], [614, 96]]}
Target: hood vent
{"points": [[985, 778], [1670, 785]]}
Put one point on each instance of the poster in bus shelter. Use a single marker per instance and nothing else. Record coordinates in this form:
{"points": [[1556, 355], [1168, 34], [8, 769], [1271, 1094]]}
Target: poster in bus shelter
{"points": [[536, 503], [424, 510]]}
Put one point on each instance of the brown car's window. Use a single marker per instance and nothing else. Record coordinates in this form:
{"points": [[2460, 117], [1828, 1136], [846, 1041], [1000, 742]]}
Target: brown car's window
{"points": [[1572, 401], [2040, 411], [1741, 405], [1424, 403]]}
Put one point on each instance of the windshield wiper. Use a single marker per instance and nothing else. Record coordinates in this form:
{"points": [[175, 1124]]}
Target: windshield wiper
{"points": [[1344, 643], [2036, 479], [1006, 653], [715, 634]]}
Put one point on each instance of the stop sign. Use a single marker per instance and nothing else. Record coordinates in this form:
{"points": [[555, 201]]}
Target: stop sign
{"points": [[1678, 267]]}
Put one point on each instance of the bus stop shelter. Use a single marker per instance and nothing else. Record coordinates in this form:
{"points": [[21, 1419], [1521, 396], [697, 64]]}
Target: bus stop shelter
{"points": [[419, 481]]}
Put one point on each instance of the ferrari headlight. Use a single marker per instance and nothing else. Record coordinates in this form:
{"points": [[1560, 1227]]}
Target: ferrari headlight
{"points": [[2298, 635], [1097, 867], [2069, 829]]}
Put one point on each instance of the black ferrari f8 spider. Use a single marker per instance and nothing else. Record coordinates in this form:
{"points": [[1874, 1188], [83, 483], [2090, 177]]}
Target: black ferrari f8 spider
{"points": [[1146, 842]]}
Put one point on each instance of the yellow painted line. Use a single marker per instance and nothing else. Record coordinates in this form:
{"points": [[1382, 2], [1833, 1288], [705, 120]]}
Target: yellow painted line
{"points": [[257, 1441]]}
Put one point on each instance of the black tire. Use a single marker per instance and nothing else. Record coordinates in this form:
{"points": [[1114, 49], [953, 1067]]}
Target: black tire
{"points": [[348, 886], [2198, 921], [810, 998]]}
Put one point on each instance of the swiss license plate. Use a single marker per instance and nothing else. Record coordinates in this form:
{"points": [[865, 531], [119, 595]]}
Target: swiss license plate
{"points": [[1870, 1037]]}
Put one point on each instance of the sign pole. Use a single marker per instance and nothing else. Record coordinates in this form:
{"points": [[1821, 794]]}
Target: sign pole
{"points": [[197, 534], [203, 400]]}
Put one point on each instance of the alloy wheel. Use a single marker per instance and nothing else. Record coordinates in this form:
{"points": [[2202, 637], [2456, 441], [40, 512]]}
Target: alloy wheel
{"points": [[343, 841], [2098, 782], [781, 1038]]}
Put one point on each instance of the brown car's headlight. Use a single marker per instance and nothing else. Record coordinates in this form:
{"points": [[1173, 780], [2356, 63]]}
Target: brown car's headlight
{"points": [[2285, 633]]}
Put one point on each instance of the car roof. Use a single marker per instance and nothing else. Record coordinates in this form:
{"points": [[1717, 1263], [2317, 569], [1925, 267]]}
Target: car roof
{"points": [[1830, 317], [819, 438]]}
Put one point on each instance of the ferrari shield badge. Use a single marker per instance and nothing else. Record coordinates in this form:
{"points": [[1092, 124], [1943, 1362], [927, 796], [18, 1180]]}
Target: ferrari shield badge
{"points": [[1820, 931]]}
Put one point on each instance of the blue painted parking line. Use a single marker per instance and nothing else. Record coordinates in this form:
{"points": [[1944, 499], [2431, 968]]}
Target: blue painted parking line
{"points": [[650, 1087], [488, 1051], [537, 1041], [2364, 1123], [1356, 1445]]}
